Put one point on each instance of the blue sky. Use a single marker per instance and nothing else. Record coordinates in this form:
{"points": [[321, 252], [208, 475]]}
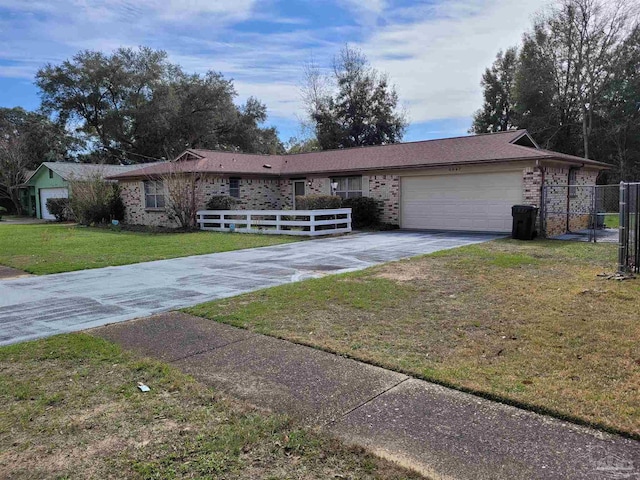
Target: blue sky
{"points": [[434, 51]]}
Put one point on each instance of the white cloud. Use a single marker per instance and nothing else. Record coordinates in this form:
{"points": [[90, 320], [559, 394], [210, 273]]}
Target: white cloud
{"points": [[108, 10], [360, 6], [36, 32], [434, 52], [177, 10], [437, 60], [365, 12], [17, 71], [282, 98]]}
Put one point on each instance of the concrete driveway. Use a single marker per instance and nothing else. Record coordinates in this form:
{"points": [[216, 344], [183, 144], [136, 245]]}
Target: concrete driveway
{"points": [[36, 307]]}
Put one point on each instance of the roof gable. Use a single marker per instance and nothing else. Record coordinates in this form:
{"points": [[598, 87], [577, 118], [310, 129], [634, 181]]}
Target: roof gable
{"points": [[525, 140], [42, 173], [187, 155]]}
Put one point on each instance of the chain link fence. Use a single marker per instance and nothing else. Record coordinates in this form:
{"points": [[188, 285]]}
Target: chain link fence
{"points": [[629, 237], [581, 212]]}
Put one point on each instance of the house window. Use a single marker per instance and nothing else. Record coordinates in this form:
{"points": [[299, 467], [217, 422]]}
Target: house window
{"points": [[50, 173], [573, 178], [234, 187], [348, 187], [153, 194]]}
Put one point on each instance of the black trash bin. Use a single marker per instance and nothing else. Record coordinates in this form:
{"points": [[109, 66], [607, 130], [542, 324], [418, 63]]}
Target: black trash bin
{"points": [[524, 222]]}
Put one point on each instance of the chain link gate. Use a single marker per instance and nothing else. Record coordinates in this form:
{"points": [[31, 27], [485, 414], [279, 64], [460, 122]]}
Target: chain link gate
{"points": [[580, 212], [629, 231]]}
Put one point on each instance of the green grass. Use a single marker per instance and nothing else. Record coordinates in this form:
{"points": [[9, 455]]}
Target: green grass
{"points": [[47, 248], [529, 323], [611, 220], [69, 408]]}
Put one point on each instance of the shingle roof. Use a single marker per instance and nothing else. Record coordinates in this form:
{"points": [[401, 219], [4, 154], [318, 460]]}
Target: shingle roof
{"points": [[28, 174], [476, 149], [85, 171]]}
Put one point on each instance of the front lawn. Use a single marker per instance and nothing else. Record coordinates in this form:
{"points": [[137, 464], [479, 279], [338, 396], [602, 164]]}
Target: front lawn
{"points": [[70, 408], [526, 322], [54, 248]]}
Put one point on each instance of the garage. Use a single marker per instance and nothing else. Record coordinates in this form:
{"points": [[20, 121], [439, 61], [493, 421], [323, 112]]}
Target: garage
{"points": [[471, 202], [47, 193]]}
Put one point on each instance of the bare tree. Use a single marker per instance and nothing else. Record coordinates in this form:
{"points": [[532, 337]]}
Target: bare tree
{"points": [[14, 161], [587, 37], [600, 29], [315, 89], [180, 204]]}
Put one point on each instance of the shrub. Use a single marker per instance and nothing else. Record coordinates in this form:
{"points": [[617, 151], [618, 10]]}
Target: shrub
{"points": [[383, 227], [317, 202], [59, 208], [95, 201], [364, 211], [2, 211], [115, 204], [222, 202]]}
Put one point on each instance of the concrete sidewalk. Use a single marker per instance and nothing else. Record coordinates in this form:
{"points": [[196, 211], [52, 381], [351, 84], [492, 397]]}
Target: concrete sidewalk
{"points": [[443, 433]]}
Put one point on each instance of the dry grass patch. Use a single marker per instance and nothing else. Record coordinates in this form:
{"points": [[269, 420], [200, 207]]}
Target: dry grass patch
{"points": [[529, 323], [69, 408]]}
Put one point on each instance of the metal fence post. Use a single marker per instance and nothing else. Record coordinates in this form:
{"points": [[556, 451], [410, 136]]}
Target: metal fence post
{"points": [[622, 260], [594, 213], [636, 229], [543, 212]]}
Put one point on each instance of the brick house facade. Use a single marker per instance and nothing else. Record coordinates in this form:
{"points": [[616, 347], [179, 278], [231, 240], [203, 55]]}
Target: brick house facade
{"points": [[267, 182], [567, 199]]}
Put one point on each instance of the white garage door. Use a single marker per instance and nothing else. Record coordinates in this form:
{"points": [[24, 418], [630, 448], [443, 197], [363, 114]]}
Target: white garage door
{"points": [[474, 202], [46, 193]]}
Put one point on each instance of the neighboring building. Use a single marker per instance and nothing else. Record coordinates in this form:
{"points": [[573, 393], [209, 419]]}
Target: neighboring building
{"points": [[27, 200], [465, 183], [51, 180]]}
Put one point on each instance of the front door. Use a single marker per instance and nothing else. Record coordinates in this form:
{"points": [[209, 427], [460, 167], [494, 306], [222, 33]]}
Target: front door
{"points": [[298, 190]]}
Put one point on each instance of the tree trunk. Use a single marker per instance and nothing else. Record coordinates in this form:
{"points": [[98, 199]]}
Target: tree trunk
{"points": [[14, 194]]}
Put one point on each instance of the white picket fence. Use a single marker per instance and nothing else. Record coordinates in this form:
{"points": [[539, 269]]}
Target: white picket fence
{"points": [[280, 222]]}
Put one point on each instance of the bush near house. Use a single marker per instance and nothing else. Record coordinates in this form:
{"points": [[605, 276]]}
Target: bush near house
{"points": [[59, 208], [365, 211], [96, 201], [115, 203], [317, 202], [2, 211], [222, 202]]}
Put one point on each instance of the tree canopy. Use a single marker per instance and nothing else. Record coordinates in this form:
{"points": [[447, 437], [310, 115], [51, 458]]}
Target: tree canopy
{"points": [[498, 83], [355, 106], [133, 105], [573, 83], [26, 140]]}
